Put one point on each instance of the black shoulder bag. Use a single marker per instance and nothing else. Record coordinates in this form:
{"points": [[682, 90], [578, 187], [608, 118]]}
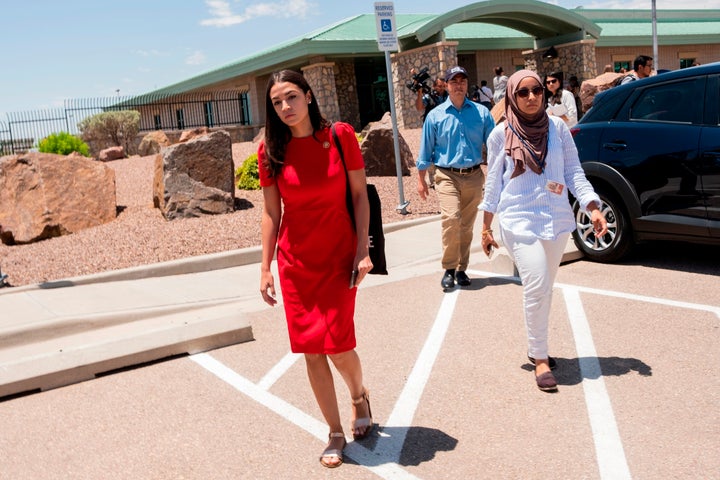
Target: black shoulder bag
{"points": [[377, 236]]}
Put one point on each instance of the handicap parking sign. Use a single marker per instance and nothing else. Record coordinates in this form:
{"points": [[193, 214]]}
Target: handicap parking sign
{"points": [[385, 19]]}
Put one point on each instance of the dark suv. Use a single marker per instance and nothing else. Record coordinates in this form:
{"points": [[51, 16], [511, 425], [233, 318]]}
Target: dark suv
{"points": [[651, 149]]}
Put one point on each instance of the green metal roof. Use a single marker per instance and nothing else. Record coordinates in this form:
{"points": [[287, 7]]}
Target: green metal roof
{"points": [[357, 36]]}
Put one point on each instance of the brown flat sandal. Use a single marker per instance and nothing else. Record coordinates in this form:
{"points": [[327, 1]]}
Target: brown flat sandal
{"points": [[366, 422], [333, 452]]}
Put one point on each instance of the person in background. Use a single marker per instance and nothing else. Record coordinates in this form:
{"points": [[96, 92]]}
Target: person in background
{"points": [[532, 164], [574, 88], [642, 68], [304, 185], [424, 102], [452, 139], [485, 95], [499, 84], [560, 102]]}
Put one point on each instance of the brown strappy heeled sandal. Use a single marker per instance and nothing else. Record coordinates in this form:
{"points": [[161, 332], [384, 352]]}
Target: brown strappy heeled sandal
{"points": [[333, 452], [366, 422]]}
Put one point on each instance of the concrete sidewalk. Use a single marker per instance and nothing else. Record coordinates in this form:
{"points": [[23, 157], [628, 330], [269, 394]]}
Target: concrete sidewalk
{"points": [[62, 332]]}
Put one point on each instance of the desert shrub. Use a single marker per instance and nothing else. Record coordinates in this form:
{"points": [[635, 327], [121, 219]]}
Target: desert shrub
{"points": [[111, 129], [246, 175], [63, 144]]}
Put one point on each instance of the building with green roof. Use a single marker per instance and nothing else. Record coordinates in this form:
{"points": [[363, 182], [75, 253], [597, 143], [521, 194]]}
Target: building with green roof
{"points": [[347, 71]]}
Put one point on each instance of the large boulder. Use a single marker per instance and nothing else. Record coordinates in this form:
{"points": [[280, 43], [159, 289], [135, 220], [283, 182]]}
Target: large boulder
{"points": [[378, 150], [593, 86], [188, 135], [44, 195], [111, 153], [195, 178], [153, 142]]}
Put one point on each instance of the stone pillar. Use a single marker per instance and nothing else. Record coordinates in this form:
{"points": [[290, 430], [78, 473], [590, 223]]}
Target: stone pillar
{"points": [[576, 58], [321, 77], [438, 57], [346, 83]]}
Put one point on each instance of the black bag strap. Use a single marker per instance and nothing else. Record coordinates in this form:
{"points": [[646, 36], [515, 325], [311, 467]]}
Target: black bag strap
{"points": [[340, 151], [348, 192]]}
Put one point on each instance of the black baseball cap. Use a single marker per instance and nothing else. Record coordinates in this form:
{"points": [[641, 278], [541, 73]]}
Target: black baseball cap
{"points": [[451, 73]]}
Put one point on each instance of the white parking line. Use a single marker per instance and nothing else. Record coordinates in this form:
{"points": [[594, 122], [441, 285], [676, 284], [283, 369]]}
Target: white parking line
{"points": [[402, 415], [608, 444], [644, 298], [278, 370], [364, 457]]}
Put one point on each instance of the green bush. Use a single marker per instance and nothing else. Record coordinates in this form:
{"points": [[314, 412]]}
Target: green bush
{"points": [[112, 128], [64, 144], [246, 175]]}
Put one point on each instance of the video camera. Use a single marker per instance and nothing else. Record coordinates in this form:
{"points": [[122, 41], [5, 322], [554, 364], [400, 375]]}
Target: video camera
{"points": [[418, 81]]}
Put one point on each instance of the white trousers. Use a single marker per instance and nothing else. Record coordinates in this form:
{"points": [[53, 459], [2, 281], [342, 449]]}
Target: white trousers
{"points": [[537, 261]]}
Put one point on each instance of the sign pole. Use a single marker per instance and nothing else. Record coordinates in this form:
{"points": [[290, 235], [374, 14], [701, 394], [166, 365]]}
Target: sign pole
{"points": [[387, 41]]}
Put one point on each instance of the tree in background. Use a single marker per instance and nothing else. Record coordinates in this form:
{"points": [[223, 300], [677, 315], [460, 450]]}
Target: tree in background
{"points": [[110, 129]]}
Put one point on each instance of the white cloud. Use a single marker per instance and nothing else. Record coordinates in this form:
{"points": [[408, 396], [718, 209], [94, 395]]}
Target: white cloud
{"points": [[196, 58], [149, 53], [223, 16]]}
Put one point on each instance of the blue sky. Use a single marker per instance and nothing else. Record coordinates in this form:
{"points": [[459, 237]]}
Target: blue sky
{"points": [[54, 50]]}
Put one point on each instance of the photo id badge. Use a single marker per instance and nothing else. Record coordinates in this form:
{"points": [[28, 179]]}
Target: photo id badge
{"points": [[555, 187]]}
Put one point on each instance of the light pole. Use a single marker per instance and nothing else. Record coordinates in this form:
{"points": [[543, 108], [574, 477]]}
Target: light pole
{"points": [[656, 61]]}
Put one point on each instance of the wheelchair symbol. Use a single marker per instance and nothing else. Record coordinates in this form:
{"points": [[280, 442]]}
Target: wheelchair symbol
{"points": [[386, 25]]}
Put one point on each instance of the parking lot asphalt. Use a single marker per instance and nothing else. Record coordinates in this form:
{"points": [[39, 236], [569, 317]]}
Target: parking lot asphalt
{"points": [[451, 391]]}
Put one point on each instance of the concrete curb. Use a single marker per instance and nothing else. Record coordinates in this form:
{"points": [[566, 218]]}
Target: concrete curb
{"points": [[83, 355]]}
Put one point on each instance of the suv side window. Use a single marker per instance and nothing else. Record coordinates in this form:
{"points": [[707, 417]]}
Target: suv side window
{"points": [[671, 102]]}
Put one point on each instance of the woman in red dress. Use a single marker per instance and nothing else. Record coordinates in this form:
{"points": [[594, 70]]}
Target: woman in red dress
{"points": [[320, 257]]}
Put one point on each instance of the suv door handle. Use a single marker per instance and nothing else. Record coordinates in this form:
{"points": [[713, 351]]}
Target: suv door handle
{"points": [[614, 147]]}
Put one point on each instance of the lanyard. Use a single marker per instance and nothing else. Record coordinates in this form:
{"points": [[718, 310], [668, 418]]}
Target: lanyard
{"points": [[540, 163]]}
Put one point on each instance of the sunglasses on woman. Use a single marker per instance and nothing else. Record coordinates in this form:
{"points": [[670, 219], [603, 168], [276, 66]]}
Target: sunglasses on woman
{"points": [[525, 92]]}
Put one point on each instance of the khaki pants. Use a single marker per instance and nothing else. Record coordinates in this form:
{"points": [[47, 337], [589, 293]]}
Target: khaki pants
{"points": [[459, 195]]}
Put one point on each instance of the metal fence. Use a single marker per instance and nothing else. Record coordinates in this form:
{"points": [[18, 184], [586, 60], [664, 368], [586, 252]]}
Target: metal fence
{"points": [[24, 130]]}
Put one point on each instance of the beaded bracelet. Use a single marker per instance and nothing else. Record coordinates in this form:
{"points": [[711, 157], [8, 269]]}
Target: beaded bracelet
{"points": [[487, 232]]}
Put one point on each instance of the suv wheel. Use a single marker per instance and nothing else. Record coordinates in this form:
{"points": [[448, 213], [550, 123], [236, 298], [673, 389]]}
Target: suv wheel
{"points": [[612, 246]]}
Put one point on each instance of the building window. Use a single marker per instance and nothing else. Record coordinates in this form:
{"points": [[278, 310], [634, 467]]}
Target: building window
{"points": [[209, 120], [157, 122], [180, 117], [686, 62], [244, 106], [619, 66]]}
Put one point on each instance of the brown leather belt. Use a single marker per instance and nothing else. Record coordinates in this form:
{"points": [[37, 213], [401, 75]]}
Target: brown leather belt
{"points": [[461, 170]]}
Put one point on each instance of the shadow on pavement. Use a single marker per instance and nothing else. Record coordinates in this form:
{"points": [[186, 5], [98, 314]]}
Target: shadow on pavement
{"points": [[568, 369], [679, 256]]}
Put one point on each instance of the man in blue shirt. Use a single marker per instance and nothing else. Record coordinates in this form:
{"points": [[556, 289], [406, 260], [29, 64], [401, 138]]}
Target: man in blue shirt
{"points": [[453, 137]]}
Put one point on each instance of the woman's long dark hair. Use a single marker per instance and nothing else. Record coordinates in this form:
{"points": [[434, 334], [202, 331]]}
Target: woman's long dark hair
{"points": [[277, 133], [558, 93]]}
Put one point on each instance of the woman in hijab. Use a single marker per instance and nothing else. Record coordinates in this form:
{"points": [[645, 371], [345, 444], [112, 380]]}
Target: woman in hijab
{"points": [[532, 163]]}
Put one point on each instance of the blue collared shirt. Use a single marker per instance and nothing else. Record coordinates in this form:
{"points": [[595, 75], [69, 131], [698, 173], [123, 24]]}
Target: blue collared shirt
{"points": [[524, 204], [454, 138]]}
